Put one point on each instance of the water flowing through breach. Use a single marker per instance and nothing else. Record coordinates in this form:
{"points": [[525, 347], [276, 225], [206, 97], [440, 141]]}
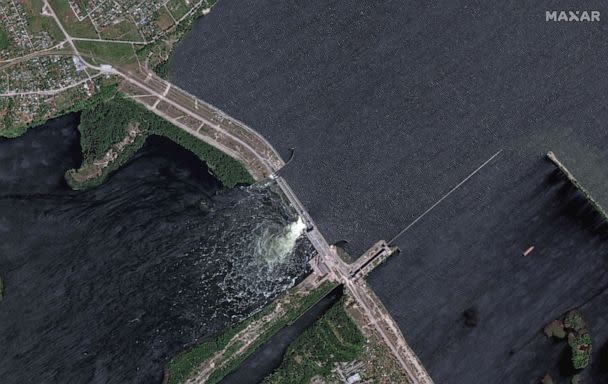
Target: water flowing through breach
{"points": [[106, 285]]}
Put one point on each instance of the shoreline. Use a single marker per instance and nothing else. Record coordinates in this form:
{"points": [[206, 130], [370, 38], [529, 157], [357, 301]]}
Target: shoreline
{"points": [[230, 172]]}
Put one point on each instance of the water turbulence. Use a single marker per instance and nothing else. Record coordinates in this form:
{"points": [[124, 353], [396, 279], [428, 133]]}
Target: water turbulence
{"points": [[277, 245], [106, 285]]}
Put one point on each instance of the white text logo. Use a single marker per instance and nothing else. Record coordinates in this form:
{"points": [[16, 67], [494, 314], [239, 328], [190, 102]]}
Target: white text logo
{"points": [[572, 16]]}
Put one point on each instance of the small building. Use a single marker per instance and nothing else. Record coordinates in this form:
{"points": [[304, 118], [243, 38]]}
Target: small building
{"points": [[354, 378]]}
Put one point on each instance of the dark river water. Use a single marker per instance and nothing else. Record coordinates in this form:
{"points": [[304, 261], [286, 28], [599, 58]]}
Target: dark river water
{"points": [[389, 104], [268, 357], [105, 285]]}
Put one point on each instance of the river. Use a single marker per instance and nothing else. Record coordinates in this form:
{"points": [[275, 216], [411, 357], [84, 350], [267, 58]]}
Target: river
{"points": [[106, 285]]}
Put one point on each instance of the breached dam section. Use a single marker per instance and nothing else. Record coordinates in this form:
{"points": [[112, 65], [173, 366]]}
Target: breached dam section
{"points": [[106, 285]]}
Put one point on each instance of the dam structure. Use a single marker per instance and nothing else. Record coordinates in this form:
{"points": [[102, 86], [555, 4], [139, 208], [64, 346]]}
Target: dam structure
{"points": [[394, 113], [215, 127]]}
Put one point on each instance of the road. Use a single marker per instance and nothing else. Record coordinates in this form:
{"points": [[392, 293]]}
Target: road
{"points": [[49, 92], [262, 160]]}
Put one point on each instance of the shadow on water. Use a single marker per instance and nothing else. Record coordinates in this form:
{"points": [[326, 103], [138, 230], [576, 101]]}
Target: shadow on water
{"points": [[600, 364], [564, 364], [577, 206], [268, 357], [471, 253]]}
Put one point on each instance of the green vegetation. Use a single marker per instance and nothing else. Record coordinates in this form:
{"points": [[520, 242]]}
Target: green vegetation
{"points": [[228, 170], [70, 22], [5, 41], [574, 321], [163, 19], [8, 128], [125, 30], [37, 23], [334, 338], [580, 345], [162, 69], [184, 365], [104, 122], [178, 8], [579, 339], [158, 52], [107, 53]]}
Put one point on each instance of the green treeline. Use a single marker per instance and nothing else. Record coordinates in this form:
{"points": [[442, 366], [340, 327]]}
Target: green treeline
{"points": [[332, 339], [105, 120], [184, 366], [5, 41]]}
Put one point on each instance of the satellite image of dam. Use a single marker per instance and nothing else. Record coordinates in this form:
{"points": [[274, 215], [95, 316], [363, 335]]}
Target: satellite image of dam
{"points": [[264, 192]]}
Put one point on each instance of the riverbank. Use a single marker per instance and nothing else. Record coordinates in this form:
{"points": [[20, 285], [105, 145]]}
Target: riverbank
{"points": [[158, 257], [212, 360], [113, 128]]}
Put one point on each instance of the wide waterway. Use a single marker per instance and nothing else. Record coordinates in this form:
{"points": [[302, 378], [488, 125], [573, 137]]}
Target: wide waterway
{"points": [[390, 104], [105, 285]]}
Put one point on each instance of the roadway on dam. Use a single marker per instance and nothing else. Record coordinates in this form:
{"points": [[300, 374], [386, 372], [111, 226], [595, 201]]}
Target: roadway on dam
{"points": [[389, 105]]}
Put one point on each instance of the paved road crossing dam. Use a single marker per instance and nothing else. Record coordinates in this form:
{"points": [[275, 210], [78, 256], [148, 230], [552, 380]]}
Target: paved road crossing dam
{"points": [[389, 105]]}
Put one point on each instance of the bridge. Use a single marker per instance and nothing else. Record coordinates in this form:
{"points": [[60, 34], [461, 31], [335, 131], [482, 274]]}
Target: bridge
{"points": [[259, 157], [236, 139]]}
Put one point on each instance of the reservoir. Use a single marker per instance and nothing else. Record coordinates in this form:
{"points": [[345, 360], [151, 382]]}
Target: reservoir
{"points": [[106, 285], [387, 107], [391, 104]]}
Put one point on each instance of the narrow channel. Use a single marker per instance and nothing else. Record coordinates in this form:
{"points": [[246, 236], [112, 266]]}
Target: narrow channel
{"points": [[268, 357]]}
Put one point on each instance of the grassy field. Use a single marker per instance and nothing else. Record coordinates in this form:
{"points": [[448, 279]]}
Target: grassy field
{"points": [[184, 366], [37, 23], [70, 22], [106, 53], [125, 30], [334, 338], [178, 8], [163, 20]]}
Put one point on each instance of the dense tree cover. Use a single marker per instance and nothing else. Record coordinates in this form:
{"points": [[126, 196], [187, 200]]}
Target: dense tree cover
{"points": [[228, 170], [162, 69], [105, 121], [183, 366], [5, 41], [7, 129], [575, 328], [333, 338]]}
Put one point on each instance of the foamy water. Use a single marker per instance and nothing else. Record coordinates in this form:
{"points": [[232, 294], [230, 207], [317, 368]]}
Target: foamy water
{"points": [[276, 246]]}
